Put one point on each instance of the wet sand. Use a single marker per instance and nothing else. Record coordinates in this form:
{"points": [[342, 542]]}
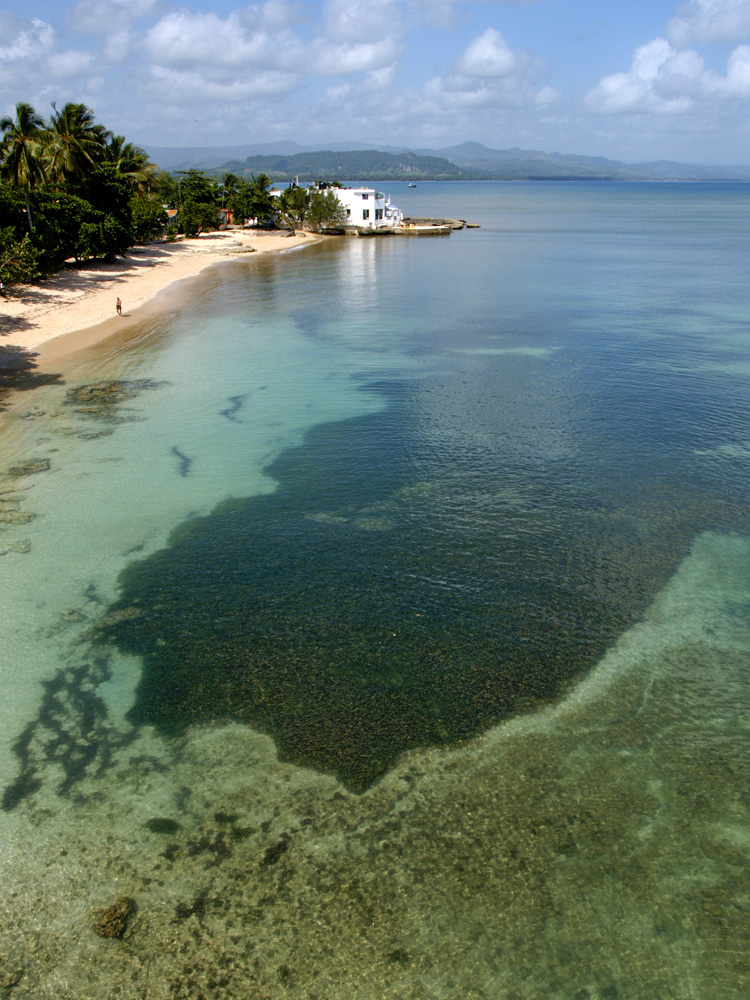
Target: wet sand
{"points": [[76, 307]]}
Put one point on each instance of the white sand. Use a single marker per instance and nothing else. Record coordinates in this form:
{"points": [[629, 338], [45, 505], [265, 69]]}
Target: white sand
{"points": [[50, 317]]}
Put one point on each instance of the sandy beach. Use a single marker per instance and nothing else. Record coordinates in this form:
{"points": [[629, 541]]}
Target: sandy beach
{"points": [[55, 316]]}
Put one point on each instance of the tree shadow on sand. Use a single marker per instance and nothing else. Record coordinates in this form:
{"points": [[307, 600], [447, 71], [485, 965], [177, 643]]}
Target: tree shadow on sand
{"points": [[18, 372], [14, 324]]}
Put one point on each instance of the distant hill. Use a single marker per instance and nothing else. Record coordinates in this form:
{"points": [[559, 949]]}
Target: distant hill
{"points": [[509, 164], [368, 164], [467, 161], [210, 157]]}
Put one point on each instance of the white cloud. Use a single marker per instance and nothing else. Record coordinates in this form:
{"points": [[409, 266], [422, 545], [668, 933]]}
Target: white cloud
{"points": [[737, 82], [100, 17], [64, 65], [487, 55], [488, 74], [546, 97], [665, 80], [119, 45], [700, 21], [32, 40], [380, 79], [184, 86], [274, 15], [185, 39], [331, 60], [362, 20], [661, 80]]}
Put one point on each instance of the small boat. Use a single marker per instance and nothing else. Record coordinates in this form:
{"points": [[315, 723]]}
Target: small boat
{"points": [[412, 184]]}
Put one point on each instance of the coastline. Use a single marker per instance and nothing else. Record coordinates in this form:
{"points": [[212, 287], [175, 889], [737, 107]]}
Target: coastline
{"points": [[76, 307]]}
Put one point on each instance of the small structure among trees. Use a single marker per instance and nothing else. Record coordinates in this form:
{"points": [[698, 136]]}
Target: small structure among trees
{"points": [[367, 208]]}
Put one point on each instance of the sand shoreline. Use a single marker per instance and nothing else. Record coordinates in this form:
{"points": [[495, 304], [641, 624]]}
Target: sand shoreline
{"points": [[76, 307]]}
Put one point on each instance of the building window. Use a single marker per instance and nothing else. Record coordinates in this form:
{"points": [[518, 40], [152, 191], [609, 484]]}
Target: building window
{"points": [[365, 213], [378, 213], [365, 197]]}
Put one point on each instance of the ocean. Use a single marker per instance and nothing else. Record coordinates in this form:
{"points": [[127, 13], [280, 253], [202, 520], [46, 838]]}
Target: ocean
{"points": [[377, 618]]}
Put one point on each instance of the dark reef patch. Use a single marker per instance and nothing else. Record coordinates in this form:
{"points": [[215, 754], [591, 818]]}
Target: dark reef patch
{"points": [[71, 731], [112, 922], [162, 824], [184, 462], [391, 595], [231, 411], [104, 401]]}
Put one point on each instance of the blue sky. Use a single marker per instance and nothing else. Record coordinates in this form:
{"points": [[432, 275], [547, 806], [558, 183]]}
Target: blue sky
{"points": [[644, 80]]}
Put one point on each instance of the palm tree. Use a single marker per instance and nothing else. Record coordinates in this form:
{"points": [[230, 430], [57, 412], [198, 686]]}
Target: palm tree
{"points": [[21, 150], [76, 144], [262, 205], [132, 162]]}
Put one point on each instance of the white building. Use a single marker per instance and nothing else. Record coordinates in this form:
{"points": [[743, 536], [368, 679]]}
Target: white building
{"points": [[367, 208]]}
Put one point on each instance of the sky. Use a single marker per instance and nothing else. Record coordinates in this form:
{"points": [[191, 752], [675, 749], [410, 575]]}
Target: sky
{"points": [[636, 81]]}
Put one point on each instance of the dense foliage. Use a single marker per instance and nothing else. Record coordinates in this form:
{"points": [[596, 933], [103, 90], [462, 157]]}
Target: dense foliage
{"points": [[69, 188], [314, 209]]}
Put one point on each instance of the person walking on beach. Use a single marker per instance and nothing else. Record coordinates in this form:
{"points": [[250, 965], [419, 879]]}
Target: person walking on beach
{"points": [[119, 308]]}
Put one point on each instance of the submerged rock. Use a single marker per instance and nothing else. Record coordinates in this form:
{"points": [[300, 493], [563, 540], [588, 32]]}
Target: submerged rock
{"points": [[22, 546], [115, 617], [112, 618], [93, 435], [113, 921], [30, 468], [14, 516], [106, 394], [161, 824]]}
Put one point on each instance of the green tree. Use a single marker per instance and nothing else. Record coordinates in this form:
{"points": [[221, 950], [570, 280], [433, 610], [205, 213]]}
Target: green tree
{"points": [[238, 198], [197, 203], [19, 259], [59, 217], [252, 200], [262, 204], [100, 235], [21, 151], [76, 144], [196, 187], [197, 217], [133, 163], [229, 187], [294, 202], [324, 211], [148, 219], [107, 191]]}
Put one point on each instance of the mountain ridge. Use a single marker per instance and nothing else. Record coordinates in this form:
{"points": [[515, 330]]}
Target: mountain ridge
{"points": [[467, 161]]}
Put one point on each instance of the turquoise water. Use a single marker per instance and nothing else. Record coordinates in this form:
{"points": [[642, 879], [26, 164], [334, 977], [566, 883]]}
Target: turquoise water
{"points": [[388, 633]]}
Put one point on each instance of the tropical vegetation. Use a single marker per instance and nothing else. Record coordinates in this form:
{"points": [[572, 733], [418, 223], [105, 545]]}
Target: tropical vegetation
{"points": [[314, 208], [70, 189]]}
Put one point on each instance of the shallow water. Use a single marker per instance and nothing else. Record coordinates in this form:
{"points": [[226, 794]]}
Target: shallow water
{"points": [[461, 523]]}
